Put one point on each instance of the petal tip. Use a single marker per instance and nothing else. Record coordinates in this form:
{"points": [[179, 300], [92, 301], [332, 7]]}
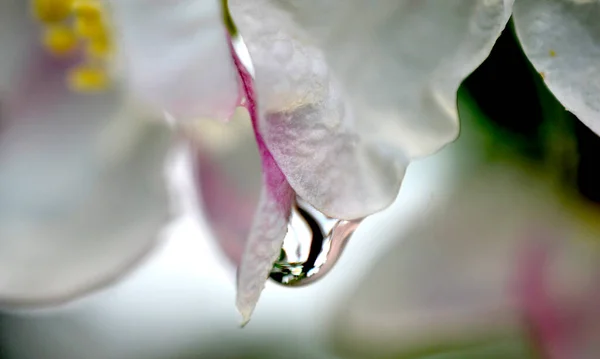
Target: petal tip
{"points": [[245, 309], [245, 321]]}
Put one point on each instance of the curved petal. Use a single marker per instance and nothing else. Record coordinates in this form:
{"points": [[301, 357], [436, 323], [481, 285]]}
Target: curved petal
{"points": [[400, 62], [343, 121], [307, 124], [227, 178], [177, 55], [561, 38], [82, 192], [270, 222], [249, 229]]}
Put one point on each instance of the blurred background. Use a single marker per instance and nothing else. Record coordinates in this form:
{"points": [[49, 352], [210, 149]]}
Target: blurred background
{"points": [[180, 302], [437, 275]]}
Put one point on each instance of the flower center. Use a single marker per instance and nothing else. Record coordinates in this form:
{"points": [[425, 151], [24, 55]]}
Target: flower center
{"points": [[79, 27]]}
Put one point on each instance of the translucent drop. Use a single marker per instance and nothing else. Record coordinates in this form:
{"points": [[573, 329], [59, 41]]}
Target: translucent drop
{"points": [[312, 246]]}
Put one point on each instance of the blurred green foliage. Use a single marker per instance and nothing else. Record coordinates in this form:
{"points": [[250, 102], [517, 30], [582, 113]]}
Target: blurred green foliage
{"points": [[506, 106]]}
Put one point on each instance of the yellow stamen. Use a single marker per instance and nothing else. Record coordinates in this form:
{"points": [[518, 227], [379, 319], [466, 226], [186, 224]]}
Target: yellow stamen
{"points": [[98, 48], [71, 24], [87, 9], [90, 28], [51, 11], [59, 40], [88, 78]]}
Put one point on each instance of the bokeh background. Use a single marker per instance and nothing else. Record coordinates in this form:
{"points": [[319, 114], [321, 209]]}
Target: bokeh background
{"points": [[180, 302]]}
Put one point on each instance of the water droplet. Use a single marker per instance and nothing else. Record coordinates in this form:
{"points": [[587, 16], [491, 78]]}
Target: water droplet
{"points": [[312, 246]]}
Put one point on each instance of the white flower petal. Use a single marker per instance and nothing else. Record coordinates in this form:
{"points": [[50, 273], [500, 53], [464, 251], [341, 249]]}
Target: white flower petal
{"points": [[270, 220], [561, 38], [82, 192], [227, 179], [16, 34], [307, 125], [177, 55], [401, 62], [344, 120], [263, 246]]}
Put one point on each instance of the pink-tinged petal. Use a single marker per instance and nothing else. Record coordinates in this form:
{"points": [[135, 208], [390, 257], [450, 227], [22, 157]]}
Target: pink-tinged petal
{"points": [[542, 314], [271, 219], [263, 247], [563, 326], [82, 190], [176, 55], [590, 321], [228, 211], [400, 62], [447, 279], [228, 179], [308, 125], [451, 277], [467, 269]]}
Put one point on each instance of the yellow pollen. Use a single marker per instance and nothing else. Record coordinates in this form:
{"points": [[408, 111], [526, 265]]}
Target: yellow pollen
{"points": [[90, 28], [59, 40], [99, 48], [68, 25], [88, 78], [51, 11], [87, 9]]}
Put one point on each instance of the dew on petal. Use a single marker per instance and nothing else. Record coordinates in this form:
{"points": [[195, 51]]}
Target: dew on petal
{"points": [[313, 244]]}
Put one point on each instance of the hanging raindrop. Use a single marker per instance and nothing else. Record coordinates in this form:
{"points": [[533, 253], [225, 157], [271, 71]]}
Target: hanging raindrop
{"points": [[312, 245]]}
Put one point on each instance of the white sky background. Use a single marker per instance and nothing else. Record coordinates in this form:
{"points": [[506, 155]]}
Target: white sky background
{"points": [[183, 296]]}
